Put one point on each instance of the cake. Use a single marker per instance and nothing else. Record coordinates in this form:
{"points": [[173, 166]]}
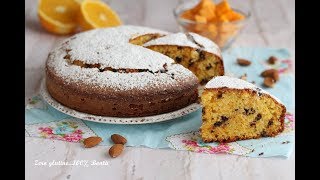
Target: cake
{"points": [[234, 109], [108, 72], [195, 52]]}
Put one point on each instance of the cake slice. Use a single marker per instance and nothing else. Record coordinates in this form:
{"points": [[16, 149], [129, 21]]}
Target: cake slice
{"points": [[234, 109], [195, 52]]}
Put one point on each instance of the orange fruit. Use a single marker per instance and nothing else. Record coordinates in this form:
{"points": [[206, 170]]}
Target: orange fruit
{"points": [[223, 7], [96, 14], [58, 16]]}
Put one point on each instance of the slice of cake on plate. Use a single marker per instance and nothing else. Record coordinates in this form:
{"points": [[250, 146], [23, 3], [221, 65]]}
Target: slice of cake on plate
{"points": [[234, 109]]}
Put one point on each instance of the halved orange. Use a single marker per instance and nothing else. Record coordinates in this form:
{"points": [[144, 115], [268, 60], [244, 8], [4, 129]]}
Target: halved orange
{"points": [[58, 17], [96, 14]]}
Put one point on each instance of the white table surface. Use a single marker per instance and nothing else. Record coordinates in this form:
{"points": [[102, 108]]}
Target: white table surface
{"points": [[272, 25]]}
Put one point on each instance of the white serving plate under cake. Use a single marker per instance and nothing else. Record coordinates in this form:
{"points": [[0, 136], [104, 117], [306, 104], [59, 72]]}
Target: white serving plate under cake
{"points": [[116, 120]]}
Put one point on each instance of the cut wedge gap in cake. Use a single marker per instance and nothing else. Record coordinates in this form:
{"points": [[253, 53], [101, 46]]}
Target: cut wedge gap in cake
{"points": [[140, 40], [234, 109]]}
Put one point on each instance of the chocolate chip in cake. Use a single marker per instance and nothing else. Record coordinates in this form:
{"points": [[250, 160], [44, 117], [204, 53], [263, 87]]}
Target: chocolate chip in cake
{"points": [[190, 64], [165, 66], [272, 60], [243, 62], [270, 122], [98, 53], [224, 118], [219, 95], [258, 117], [258, 91], [246, 111], [268, 82], [260, 154], [212, 131], [178, 59], [264, 133], [249, 111], [208, 66], [202, 55], [172, 75], [217, 124], [203, 81], [253, 124], [253, 82], [236, 109], [179, 47]]}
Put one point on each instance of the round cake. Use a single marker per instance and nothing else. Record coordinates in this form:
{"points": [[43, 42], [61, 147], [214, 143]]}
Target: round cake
{"points": [[106, 72]]}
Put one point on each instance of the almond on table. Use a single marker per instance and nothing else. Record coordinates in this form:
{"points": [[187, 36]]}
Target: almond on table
{"points": [[92, 141], [268, 82], [116, 150], [243, 62], [118, 139], [272, 73], [272, 60]]}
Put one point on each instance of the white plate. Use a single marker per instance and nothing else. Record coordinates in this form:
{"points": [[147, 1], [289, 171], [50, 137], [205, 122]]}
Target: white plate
{"points": [[116, 120]]}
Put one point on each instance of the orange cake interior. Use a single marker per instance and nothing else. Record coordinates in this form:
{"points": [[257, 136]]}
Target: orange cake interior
{"points": [[231, 114]]}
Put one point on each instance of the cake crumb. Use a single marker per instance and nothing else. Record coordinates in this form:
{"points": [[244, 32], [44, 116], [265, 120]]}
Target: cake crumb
{"points": [[244, 76]]}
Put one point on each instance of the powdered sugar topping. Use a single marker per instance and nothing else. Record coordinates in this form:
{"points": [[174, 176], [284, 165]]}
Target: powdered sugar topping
{"points": [[235, 83], [187, 39], [111, 48]]}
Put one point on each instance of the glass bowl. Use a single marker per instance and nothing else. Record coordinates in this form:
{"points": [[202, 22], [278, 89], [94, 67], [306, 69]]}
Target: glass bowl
{"points": [[222, 33]]}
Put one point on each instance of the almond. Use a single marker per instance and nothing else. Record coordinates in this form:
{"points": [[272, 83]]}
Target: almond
{"points": [[272, 73], [243, 62], [118, 139], [116, 150], [268, 82], [92, 141], [272, 60]]}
